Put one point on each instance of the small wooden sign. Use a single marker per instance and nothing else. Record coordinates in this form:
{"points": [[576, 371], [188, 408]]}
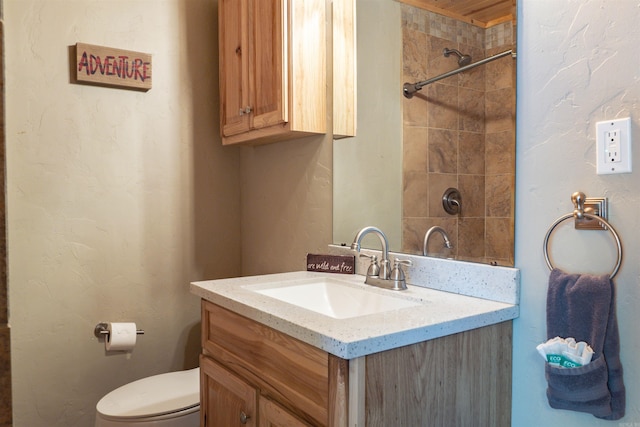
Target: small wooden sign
{"points": [[111, 67], [344, 264]]}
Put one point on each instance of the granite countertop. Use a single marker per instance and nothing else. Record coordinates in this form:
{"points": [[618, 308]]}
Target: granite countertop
{"points": [[437, 313]]}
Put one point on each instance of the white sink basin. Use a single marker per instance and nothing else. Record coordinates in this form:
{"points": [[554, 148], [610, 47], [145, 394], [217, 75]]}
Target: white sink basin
{"points": [[332, 297]]}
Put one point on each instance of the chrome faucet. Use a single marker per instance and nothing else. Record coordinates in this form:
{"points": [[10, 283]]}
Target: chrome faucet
{"points": [[381, 276], [428, 235], [385, 270]]}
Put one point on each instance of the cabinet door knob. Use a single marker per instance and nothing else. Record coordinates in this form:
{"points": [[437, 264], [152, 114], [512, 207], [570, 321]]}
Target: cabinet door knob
{"points": [[246, 110], [244, 417]]}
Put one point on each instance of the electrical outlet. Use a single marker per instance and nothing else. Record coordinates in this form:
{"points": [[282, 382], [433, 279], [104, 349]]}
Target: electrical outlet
{"points": [[613, 142]]}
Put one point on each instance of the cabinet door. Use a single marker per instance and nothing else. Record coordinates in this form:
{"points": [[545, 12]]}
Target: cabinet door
{"points": [[226, 400], [233, 22], [273, 415], [269, 88]]}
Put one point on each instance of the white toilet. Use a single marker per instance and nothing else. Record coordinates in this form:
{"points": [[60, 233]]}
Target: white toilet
{"points": [[165, 400]]}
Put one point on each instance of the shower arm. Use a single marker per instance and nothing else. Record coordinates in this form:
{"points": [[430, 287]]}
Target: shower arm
{"points": [[410, 88]]}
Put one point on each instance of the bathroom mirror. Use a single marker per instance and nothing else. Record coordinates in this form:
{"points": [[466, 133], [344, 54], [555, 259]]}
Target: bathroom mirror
{"points": [[456, 133]]}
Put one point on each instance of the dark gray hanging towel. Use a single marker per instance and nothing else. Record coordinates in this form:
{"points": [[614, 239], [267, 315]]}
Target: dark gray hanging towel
{"points": [[583, 306]]}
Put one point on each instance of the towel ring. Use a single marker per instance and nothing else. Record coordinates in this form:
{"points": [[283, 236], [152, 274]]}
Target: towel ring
{"points": [[577, 214]]}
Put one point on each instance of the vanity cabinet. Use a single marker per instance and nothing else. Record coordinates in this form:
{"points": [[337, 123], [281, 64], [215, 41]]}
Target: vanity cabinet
{"points": [[276, 380], [226, 399], [273, 69], [462, 379], [230, 401]]}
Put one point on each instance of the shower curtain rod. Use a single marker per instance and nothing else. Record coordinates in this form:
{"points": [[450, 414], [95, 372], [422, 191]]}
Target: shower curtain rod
{"points": [[410, 88]]}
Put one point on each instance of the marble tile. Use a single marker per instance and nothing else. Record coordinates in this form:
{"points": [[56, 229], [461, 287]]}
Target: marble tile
{"points": [[414, 18], [471, 110], [414, 49], [475, 77], [499, 36], [500, 152], [472, 192], [415, 149], [471, 238], [415, 193], [443, 106], [499, 110], [499, 242], [413, 230], [443, 151], [469, 34], [442, 26], [415, 111], [500, 191], [471, 153], [498, 73], [438, 63]]}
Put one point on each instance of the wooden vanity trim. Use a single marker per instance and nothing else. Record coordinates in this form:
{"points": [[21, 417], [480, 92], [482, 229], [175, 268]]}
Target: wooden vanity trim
{"points": [[356, 405], [338, 391], [293, 373]]}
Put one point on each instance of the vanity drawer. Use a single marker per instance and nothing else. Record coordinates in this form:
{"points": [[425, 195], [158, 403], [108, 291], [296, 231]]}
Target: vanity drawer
{"points": [[285, 369]]}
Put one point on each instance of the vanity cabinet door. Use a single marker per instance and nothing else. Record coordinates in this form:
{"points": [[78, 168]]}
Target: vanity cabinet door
{"points": [[273, 415], [296, 383], [226, 400]]}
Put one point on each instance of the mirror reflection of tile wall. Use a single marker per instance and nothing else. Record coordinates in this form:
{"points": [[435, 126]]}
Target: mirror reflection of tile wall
{"points": [[459, 132], [5, 359]]}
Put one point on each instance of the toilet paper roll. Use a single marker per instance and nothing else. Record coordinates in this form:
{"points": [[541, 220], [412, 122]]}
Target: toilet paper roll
{"points": [[122, 336]]}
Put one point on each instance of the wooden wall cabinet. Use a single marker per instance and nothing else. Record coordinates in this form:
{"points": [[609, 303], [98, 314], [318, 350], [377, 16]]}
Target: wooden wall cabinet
{"points": [[461, 380], [273, 66]]}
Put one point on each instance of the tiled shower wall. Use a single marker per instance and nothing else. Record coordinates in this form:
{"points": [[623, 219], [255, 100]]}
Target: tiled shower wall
{"points": [[5, 359], [459, 132]]}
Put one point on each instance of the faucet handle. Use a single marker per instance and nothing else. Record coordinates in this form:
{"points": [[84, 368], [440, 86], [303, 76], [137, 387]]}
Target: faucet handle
{"points": [[398, 262], [374, 268], [397, 274]]}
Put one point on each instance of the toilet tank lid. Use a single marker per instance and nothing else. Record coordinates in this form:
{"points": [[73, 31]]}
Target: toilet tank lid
{"points": [[156, 395]]}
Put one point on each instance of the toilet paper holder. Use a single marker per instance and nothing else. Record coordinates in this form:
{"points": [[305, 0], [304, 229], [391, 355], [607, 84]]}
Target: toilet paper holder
{"points": [[102, 330]]}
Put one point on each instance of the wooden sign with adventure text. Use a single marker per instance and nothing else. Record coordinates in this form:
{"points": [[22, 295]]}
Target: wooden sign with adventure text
{"points": [[344, 264], [107, 66]]}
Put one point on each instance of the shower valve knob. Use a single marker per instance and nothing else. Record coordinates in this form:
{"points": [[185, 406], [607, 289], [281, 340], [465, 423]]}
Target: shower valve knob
{"points": [[452, 201]]}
